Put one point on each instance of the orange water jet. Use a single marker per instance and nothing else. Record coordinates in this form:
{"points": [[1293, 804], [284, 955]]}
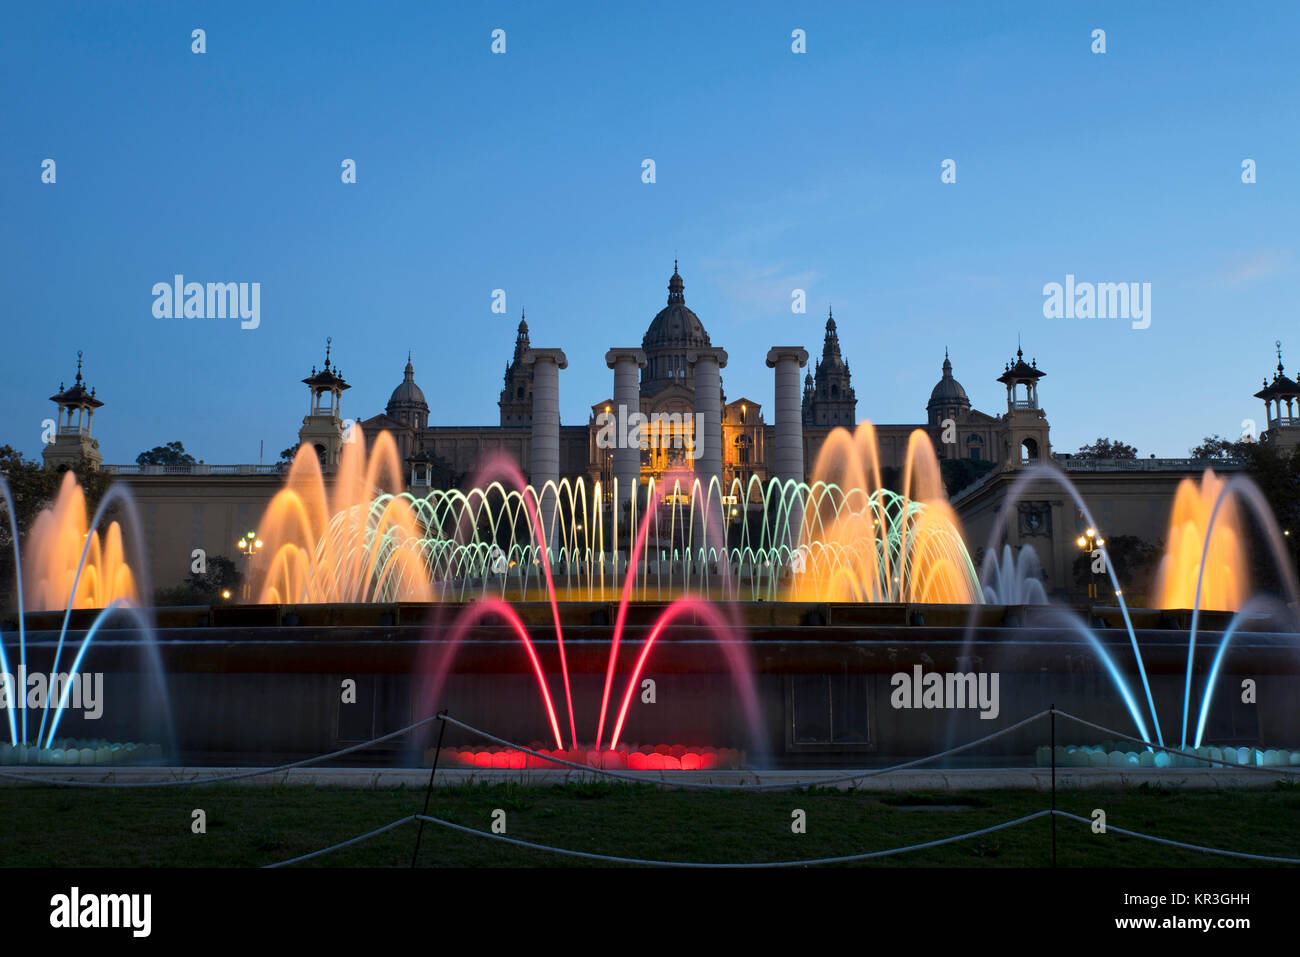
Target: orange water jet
{"points": [[862, 542], [53, 549], [1225, 584], [348, 542]]}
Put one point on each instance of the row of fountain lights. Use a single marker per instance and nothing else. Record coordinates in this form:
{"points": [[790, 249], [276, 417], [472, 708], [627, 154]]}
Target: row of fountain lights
{"points": [[250, 545]]}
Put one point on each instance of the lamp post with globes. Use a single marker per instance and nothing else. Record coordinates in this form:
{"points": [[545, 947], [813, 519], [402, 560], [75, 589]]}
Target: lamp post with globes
{"points": [[248, 546], [1089, 542]]}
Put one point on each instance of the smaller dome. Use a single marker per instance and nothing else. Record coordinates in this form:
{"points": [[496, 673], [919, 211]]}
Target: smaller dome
{"points": [[408, 393], [948, 391]]}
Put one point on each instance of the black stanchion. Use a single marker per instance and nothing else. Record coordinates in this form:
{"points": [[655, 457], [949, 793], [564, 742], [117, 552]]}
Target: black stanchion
{"points": [[428, 791], [1053, 784]]}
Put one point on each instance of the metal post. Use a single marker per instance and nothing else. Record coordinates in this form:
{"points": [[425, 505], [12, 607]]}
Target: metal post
{"points": [[429, 790], [1053, 784]]}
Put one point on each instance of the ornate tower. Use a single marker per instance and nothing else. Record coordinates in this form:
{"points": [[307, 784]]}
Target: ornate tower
{"points": [[406, 404], [948, 399], [72, 440], [948, 406], [674, 333], [516, 400], [1025, 428], [833, 401], [1281, 408], [323, 426]]}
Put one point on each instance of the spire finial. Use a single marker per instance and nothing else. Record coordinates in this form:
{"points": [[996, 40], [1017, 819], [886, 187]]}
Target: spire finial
{"points": [[329, 340], [78, 367], [676, 286], [1277, 343]]}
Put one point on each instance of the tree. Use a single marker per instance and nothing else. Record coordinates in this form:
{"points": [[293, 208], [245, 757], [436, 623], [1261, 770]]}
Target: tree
{"points": [[205, 588], [287, 455], [1105, 448], [1277, 474], [173, 453], [1218, 448]]}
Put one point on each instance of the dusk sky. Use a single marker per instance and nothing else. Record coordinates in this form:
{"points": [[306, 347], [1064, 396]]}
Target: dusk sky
{"points": [[775, 171]]}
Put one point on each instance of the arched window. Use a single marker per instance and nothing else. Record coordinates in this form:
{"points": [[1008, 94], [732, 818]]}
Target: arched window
{"points": [[1029, 451]]}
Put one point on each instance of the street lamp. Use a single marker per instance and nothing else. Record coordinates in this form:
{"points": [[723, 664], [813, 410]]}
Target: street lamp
{"points": [[248, 546], [1089, 542]]}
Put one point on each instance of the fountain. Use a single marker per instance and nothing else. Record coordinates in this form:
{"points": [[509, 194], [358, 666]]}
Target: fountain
{"points": [[865, 543], [1014, 578], [570, 604], [1203, 567], [69, 567], [349, 543], [64, 548], [1192, 549], [844, 537]]}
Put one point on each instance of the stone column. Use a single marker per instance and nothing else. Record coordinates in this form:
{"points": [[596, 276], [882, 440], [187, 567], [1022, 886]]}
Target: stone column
{"points": [[787, 446], [545, 465], [708, 364], [626, 364], [787, 443]]}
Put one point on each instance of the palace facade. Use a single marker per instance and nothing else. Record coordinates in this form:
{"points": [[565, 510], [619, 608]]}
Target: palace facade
{"points": [[676, 373], [444, 455]]}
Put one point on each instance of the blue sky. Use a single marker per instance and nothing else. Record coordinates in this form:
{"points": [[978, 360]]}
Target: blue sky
{"points": [[522, 171]]}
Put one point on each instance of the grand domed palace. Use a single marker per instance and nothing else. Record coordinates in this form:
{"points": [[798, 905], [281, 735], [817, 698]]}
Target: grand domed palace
{"points": [[666, 387], [674, 376]]}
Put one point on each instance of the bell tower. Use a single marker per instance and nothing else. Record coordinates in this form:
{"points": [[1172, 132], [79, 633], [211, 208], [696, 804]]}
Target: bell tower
{"points": [[1025, 429], [1281, 408], [323, 426], [516, 402], [72, 439], [832, 400]]}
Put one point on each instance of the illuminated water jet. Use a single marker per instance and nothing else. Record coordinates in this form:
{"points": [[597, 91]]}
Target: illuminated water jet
{"points": [[1201, 567]]}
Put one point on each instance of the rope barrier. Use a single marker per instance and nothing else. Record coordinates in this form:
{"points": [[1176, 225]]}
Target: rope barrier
{"points": [[1190, 847], [646, 862], [855, 776], [342, 844], [805, 862], [252, 773], [757, 786]]}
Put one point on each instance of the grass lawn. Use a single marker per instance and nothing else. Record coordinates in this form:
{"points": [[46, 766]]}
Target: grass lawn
{"points": [[254, 825]]}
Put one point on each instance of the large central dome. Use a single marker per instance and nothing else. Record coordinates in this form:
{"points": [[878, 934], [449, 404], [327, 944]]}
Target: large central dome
{"points": [[672, 335], [675, 326]]}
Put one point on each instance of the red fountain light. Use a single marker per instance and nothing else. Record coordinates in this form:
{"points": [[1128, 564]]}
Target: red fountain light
{"points": [[660, 757]]}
